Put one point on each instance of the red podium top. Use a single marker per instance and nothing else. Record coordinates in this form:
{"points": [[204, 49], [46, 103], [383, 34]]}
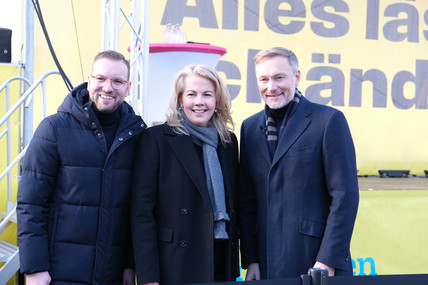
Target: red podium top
{"points": [[187, 47]]}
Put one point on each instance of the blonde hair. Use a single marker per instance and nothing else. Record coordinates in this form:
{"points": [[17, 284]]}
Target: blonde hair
{"points": [[221, 120]]}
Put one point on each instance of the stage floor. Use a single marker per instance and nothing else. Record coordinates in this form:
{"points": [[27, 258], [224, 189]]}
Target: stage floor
{"points": [[393, 183]]}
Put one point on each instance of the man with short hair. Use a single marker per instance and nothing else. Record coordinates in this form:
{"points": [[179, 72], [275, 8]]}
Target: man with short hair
{"points": [[74, 194], [298, 190]]}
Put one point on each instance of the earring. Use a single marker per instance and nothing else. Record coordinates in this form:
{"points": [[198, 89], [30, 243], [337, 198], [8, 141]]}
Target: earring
{"points": [[181, 108], [215, 110]]}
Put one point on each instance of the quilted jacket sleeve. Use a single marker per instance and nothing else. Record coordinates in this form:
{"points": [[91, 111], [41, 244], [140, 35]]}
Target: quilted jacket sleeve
{"points": [[34, 195]]}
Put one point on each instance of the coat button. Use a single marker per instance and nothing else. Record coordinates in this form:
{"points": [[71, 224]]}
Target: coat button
{"points": [[99, 134], [130, 133], [183, 211], [183, 243], [120, 139]]}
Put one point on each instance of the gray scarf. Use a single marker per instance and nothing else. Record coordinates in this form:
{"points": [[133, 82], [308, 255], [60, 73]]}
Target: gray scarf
{"points": [[208, 138]]}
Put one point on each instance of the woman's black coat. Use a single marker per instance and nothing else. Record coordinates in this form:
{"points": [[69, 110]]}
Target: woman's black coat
{"points": [[171, 212]]}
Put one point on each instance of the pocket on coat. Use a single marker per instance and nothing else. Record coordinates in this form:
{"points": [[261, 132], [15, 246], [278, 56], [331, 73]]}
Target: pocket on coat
{"points": [[52, 228], [165, 234], [307, 150], [311, 228]]}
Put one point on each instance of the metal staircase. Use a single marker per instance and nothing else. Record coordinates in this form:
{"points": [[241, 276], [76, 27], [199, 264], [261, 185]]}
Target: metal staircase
{"points": [[9, 253]]}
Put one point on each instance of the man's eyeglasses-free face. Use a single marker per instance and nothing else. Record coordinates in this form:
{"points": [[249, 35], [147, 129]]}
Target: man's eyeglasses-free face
{"points": [[116, 83]]}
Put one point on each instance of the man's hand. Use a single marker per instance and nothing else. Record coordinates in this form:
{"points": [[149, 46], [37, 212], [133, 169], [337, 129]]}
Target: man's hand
{"points": [[128, 277], [331, 270], [38, 278], [253, 272]]}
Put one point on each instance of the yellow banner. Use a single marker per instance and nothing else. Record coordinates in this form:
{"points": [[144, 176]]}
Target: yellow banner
{"points": [[366, 58]]}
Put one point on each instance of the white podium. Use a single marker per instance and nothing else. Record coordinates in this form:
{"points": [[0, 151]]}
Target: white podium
{"points": [[165, 61]]}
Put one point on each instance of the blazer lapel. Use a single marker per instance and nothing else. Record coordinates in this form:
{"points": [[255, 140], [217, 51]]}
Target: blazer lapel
{"points": [[183, 148], [294, 128]]}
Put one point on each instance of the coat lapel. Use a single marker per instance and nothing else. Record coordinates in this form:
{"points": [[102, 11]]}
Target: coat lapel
{"points": [[260, 142], [294, 128], [183, 148], [227, 170]]}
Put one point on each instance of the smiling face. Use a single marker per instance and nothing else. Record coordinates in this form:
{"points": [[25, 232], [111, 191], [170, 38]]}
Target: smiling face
{"points": [[107, 85], [276, 81], [198, 100]]}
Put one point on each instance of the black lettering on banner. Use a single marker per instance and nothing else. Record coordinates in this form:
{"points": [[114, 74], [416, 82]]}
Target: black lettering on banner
{"points": [[401, 22], [251, 15], [391, 29], [231, 71], [253, 94], [272, 15], [176, 10], [340, 23], [230, 15], [336, 85], [395, 22], [379, 83], [421, 82]]}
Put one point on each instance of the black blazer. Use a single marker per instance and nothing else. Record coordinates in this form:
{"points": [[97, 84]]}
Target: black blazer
{"points": [[171, 214]]}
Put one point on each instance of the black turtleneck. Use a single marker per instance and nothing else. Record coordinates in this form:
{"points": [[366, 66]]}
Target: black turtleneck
{"points": [[278, 115], [109, 123]]}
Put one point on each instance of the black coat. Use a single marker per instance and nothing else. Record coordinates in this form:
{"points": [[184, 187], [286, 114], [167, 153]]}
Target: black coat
{"points": [[300, 206], [172, 217], [73, 197]]}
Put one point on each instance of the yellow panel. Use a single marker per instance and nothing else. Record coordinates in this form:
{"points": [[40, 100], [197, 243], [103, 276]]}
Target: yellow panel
{"points": [[390, 232]]}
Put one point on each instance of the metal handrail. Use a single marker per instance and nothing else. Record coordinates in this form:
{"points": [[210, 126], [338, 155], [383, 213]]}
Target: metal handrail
{"points": [[7, 132], [7, 218], [13, 163], [7, 82], [27, 94], [25, 99]]}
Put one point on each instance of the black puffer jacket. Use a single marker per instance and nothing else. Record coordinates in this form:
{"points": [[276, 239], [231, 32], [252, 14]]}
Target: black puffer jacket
{"points": [[73, 196]]}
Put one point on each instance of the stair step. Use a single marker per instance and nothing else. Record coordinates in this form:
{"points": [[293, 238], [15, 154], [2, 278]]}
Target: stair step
{"points": [[6, 250]]}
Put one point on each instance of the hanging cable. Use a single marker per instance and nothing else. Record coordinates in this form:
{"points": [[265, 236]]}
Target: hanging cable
{"points": [[42, 23], [77, 39]]}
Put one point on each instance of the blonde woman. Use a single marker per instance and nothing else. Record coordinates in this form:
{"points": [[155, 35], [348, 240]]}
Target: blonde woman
{"points": [[185, 177]]}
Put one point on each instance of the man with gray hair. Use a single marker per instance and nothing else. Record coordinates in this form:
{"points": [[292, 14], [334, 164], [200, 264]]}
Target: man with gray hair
{"points": [[298, 195]]}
